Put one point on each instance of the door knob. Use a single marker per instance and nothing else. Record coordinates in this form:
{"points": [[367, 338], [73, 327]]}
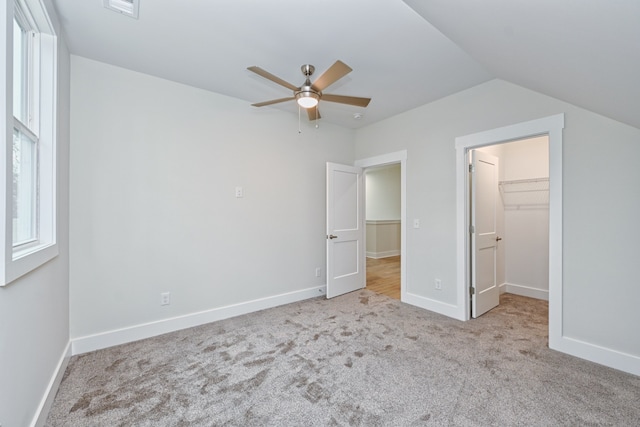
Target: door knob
{"points": [[331, 236], [498, 238]]}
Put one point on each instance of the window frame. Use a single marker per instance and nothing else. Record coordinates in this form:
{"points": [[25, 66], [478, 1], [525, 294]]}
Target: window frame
{"points": [[39, 125]]}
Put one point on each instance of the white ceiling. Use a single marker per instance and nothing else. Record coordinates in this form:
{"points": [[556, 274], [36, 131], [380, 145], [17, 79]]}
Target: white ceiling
{"points": [[586, 52]]}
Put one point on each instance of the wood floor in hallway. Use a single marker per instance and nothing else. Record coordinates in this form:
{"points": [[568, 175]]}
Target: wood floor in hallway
{"points": [[383, 276]]}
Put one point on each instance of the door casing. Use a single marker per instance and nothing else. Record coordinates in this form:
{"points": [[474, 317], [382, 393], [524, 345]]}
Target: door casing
{"points": [[551, 126]]}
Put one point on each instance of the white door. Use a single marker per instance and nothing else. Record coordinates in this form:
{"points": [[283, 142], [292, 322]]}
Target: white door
{"points": [[484, 237], [345, 230]]}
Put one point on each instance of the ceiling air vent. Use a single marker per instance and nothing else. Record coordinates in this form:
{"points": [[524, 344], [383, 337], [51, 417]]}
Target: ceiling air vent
{"points": [[125, 7]]}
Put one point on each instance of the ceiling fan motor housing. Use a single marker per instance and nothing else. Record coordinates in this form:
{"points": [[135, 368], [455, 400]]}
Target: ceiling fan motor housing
{"points": [[308, 70]]}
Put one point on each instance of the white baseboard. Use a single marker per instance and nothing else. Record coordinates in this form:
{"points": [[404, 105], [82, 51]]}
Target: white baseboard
{"points": [[581, 349], [384, 254], [52, 388], [525, 291], [604, 356], [147, 330], [439, 307]]}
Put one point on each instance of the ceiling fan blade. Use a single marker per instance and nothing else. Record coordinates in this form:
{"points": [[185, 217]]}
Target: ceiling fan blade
{"points": [[313, 113], [267, 75], [338, 70], [343, 99], [273, 101]]}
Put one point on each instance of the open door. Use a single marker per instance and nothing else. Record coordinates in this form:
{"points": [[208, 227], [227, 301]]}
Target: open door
{"points": [[345, 230], [484, 238]]}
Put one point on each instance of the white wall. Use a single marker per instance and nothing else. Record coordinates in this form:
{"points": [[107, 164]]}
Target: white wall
{"points": [[526, 159], [383, 238], [600, 177], [154, 167], [383, 193], [34, 309]]}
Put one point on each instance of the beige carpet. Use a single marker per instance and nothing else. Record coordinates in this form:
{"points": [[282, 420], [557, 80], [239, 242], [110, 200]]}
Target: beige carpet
{"points": [[362, 359]]}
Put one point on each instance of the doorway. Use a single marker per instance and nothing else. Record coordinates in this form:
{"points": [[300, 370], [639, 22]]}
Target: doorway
{"points": [[553, 127], [519, 206], [385, 164], [383, 225]]}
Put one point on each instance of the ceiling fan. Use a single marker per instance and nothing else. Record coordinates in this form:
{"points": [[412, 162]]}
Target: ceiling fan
{"points": [[309, 94]]}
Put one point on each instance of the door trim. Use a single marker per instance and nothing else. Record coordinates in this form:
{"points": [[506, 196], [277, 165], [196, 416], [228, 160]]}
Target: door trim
{"points": [[551, 126], [387, 159]]}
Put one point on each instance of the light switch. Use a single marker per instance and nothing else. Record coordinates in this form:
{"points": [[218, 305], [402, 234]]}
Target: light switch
{"points": [[416, 223]]}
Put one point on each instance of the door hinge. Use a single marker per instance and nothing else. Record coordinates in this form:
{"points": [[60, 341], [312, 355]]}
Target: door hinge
{"points": [[472, 291], [472, 229], [471, 169]]}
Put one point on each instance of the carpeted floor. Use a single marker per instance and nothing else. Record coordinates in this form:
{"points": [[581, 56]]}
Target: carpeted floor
{"points": [[359, 359]]}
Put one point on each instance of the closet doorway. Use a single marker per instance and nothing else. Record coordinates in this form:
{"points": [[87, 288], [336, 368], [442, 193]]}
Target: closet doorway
{"points": [[519, 258]]}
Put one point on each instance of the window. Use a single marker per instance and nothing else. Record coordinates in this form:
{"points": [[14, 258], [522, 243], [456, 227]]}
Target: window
{"points": [[30, 204], [25, 142]]}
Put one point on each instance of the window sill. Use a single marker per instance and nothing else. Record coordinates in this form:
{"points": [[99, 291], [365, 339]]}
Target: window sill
{"points": [[27, 260]]}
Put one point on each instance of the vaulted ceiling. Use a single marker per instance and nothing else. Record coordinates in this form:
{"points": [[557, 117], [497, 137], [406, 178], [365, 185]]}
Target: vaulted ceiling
{"points": [[403, 54]]}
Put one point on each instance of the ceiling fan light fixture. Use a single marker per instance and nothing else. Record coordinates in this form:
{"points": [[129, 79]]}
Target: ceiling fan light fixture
{"points": [[307, 99]]}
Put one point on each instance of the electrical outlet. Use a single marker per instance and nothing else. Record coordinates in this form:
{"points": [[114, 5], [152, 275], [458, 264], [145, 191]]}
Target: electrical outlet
{"points": [[318, 271], [239, 192], [438, 284], [165, 298]]}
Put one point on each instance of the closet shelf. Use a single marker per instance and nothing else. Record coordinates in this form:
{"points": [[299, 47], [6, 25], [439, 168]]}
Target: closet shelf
{"points": [[529, 193]]}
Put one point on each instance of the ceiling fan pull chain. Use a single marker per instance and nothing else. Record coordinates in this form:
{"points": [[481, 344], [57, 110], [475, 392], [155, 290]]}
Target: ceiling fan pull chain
{"points": [[299, 130]]}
